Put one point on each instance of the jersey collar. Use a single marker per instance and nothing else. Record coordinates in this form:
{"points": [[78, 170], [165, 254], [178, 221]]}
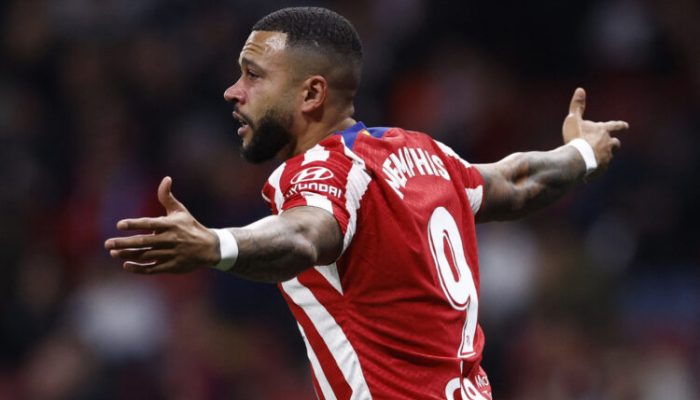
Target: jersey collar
{"points": [[350, 135]]}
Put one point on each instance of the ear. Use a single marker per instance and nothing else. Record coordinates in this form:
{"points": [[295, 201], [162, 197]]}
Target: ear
{"points": [[315, 93]]}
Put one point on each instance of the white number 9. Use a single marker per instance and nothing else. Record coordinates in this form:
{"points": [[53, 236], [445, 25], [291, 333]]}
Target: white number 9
{"points": [[459, 287]]}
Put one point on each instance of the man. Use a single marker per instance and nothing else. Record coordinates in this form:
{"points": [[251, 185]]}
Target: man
{"points": [[372, 240]]}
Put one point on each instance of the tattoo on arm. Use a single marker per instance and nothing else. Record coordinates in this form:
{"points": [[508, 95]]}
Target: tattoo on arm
{"points": [[524, 182], [277, 248]]}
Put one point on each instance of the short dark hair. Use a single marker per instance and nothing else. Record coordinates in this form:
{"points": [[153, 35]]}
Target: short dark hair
{"points": [[318, 29]]}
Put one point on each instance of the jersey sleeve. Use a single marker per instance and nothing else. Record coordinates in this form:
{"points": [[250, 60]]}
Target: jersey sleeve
{"points": [[323, 179], [473, 181]]}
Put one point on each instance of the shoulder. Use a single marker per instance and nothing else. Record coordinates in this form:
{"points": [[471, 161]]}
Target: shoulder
{"points": [[329, 167]]}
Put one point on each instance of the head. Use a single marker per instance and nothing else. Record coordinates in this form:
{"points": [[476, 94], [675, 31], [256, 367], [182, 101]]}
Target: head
{"points": [[300, 69]]}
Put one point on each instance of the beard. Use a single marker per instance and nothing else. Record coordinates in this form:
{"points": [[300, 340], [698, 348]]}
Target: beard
{"points": [[269, 135]]}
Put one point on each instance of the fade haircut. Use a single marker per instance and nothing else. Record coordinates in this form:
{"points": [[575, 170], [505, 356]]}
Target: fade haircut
{"points": [[323, 32]]}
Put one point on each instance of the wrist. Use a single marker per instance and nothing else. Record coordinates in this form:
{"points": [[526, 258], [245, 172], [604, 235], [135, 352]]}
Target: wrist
{"points": [[228, 249], [587, 153]]}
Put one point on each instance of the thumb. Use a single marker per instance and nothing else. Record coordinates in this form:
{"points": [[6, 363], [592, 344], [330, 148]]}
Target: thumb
{"points": [[578, 103], [166, 198]]}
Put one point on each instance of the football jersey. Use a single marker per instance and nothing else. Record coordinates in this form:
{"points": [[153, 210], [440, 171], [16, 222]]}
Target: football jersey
{"points": [[395, 317]]}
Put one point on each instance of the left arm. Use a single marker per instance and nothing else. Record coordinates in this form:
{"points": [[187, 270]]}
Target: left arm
{"points": [[524, 182]]}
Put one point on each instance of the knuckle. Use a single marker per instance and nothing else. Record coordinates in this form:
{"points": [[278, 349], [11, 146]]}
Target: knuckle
{"points": [[169, 237]]}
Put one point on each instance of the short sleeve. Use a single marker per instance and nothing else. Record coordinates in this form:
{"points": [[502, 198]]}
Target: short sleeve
{"points": [[320, 178], [473, 181]]}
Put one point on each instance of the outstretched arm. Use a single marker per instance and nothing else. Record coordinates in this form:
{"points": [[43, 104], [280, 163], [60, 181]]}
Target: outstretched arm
{"points": [[272, 249], [524, 182]]}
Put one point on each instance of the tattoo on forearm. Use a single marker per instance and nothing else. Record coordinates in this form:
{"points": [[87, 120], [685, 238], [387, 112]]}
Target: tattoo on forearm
{"points": [[278, 248], [550, 176], [525, 182], [263, 256]]}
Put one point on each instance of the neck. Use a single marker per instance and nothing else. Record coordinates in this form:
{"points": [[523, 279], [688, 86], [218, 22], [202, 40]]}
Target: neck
{"points": [[313, 134]]}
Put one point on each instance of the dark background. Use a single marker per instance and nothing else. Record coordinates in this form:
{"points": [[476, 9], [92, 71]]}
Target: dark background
{"points": [[594, 298]]}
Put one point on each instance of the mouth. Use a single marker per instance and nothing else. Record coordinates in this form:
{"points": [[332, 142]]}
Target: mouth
{"points": [[243, 121]]}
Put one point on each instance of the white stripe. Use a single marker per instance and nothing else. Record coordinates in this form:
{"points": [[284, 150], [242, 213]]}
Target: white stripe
{"points": [[323, 383], [316, 153], [475, 196], [358, 181], [448, 150], [351, 155], [332, 335], [319, 201], [274, 181], [330, 272]]}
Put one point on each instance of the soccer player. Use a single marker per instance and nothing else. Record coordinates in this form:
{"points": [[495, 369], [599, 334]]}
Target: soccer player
{"points": [[372, 241]]}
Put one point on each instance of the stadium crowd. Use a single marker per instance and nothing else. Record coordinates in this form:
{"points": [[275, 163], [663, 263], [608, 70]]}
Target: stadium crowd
{"points": [[595, 298]]}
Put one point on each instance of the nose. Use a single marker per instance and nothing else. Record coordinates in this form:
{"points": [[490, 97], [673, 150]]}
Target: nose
{"points": [[234, 93]]}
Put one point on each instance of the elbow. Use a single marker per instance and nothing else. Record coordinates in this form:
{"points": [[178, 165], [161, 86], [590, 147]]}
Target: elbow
{"points": [[294, 257], [517, 202]]}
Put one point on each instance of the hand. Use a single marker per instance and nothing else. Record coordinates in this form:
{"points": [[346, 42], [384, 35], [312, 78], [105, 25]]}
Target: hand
{"points": [[178, 243], [597, 134]]}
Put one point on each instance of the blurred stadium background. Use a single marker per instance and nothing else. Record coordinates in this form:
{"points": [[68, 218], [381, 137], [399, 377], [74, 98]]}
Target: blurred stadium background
{"points": [[594, 298]]}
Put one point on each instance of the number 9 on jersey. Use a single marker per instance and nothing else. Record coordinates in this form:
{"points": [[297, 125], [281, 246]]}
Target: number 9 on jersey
{"points": [[459, 288]]}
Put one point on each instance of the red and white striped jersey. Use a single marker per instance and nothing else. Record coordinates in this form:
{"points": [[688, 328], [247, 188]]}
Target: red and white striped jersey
{"points": [[395, 317]]}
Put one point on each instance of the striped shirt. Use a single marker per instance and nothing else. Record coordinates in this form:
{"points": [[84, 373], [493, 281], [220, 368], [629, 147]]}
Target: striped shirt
{"points": [[395, 317]]}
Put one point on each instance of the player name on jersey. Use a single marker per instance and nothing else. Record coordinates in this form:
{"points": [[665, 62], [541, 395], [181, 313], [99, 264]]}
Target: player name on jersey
{"points": [[408, 162]]}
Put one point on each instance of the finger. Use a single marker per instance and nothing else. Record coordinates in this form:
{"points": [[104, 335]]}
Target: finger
{"points": [[150, 268], [166, 198], [578, 103], [612, 126], [151, 224], [159, 268], [137, 242], [139, 268], [615, 143], [142, 255]]}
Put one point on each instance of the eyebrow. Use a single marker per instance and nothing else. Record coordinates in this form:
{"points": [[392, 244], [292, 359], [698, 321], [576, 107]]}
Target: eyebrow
{"points": [[245, 61]]}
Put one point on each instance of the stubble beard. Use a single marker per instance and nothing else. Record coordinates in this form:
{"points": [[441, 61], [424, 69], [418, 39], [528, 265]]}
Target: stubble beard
{"points": [[269, 135]]}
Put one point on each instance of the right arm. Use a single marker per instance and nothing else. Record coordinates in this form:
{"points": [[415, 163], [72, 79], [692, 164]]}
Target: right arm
{"points": [[273, 249], [279, 247]]}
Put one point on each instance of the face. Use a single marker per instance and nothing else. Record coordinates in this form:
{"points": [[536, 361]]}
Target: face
{"points": [[262, 96]]}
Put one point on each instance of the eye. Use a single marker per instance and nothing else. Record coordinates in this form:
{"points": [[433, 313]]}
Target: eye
{"points": [[252, 74]]}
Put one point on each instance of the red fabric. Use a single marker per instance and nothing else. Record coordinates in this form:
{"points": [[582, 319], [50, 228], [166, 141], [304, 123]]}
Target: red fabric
{"points": [[393, 309]]}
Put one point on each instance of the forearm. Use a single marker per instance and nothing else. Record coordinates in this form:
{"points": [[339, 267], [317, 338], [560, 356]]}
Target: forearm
{"points": [[277, 248], [272, 249], [525, 182]]}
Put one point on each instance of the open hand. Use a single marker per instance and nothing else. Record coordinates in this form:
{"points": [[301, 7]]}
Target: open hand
{"points": [[179, 243], [597, 134]]}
